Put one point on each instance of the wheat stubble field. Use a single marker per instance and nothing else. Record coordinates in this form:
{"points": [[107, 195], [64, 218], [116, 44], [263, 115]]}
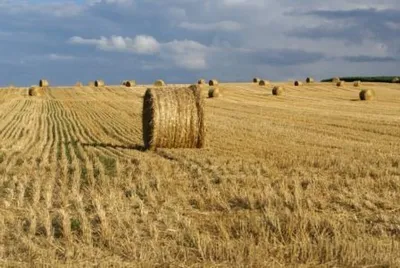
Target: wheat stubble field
{"points": [[309, 178]]}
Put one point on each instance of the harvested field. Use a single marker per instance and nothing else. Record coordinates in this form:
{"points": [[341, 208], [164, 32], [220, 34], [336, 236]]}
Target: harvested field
{"points": [[310, 178]]}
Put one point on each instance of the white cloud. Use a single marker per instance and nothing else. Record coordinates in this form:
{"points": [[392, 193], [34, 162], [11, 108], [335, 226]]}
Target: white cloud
{"points": [[141, 44], [186, 54], [226, 26]]}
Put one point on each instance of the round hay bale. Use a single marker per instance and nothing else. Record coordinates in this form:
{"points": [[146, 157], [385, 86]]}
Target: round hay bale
{"points": [[43, 83], [336, 79], [278, 90], [213, 82], [357, 83], [201, 82], [256, 80], [130, 83], [173, 118], [340, 84], [91, 83], [159, 83], [99, 83], [396, 80], [309, 80], [298, 83], [263, 83], [35, 91], [214, 93], [78, 84], [367, 94], [124, 82]]}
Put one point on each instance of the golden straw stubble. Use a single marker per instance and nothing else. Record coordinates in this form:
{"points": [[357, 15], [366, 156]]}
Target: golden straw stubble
{"points": [[173, 118], [214, 93]]}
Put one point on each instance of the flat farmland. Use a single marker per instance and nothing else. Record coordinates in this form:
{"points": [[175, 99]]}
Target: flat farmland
{"points": [[308, 178]]}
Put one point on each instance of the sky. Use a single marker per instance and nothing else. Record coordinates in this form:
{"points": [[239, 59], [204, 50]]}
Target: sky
{"points": [[181, 41]]}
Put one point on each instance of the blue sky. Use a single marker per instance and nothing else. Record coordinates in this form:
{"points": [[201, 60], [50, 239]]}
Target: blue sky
{"points": [[183, 40]]}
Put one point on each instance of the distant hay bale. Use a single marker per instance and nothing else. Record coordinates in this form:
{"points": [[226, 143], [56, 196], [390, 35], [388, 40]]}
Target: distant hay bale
{"points": [[309, 80], [396, 80], [78, 84], [213, 82], [35, 91], [256, 80], [91, 83], [278, 90], [298, 83], [201, 82], [340, 84], [214, 93], [357, 83], [99, 83], [173, 118], [367, 94], [159, 83], [263, 83], [124, 82], [336, 79], [43, 83], [130, 83]]}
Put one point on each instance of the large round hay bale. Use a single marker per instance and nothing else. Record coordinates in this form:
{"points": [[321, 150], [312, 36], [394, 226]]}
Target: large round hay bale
{"points": [[367, 94], [99, 83], [396, 80], [78, 84], [35, 91], [340, 84], [91, 83], [43, 83], [278, 90], [130, 83], [263, 83], [213, 82], [214, 93], [201, 82], [357, 83], [336, 79], [173, 118], [124, 83], [159, 83], [298, 83], [309, 80], [256, 80]]}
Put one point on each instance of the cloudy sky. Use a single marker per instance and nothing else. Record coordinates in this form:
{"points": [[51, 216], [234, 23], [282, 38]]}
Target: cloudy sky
{"points": [[183, 40]]}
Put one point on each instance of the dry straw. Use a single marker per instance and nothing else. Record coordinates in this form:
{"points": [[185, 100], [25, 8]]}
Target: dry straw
{"points": [[99, 83], [130, 83], [367, 94], [35, 91], [310, 80], [340, 84], [298, 83], [159, 83], [214, 93], [201, 82], [256, 80], [263, 83], [173, 118], [278, 90], [213, 82], [357, 83], [336, 79], [43, 83]]}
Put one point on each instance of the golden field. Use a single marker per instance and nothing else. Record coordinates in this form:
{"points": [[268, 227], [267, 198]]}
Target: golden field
{"points": [[308, 178]]}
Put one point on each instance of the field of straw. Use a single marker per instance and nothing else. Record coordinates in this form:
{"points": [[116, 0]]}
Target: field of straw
{"points": [[308, 178]]}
